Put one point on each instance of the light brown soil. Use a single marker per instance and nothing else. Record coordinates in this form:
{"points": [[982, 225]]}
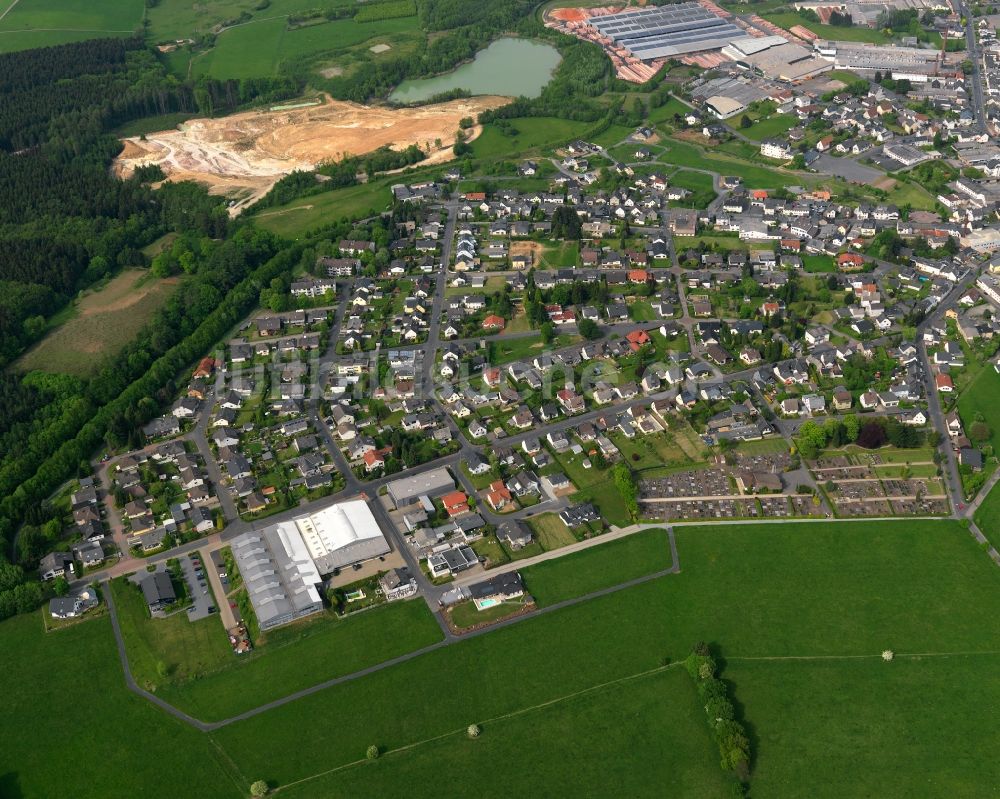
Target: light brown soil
{"points": [[522, 247], [245, 154]]}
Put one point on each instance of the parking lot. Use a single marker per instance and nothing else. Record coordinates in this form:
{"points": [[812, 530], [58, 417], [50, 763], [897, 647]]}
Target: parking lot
{"points": [[202, 600]]}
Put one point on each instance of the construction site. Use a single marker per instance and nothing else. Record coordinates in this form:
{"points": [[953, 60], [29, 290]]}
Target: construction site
{"points": [[242, 156]]}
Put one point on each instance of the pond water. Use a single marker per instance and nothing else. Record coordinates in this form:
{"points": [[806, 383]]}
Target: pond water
{"points": [[511, 67]]}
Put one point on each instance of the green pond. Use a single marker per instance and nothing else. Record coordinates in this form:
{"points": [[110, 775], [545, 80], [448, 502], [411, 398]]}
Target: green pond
{"points": [[512, 67]]}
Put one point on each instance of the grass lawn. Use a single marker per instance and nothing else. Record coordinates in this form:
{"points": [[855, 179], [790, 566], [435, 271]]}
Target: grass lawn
{"points": [[581, 746], [258, 48], [756, 177], [699, 184], [492, 550], [172, 649], [665, 113], [550, 531], [105, 744], [299, 216], [788, 590], [599, 567], [981, 398], [516, 349], [562, 254], [42, 23], [842, 727], [788, 19], [987, 516], [775, 125], [304, 654], [533, 134], [465, 615], [818, 263], [99, 324]]}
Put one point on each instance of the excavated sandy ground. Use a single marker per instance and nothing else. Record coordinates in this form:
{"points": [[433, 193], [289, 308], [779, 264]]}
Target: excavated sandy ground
{"points": [[245, 154]]}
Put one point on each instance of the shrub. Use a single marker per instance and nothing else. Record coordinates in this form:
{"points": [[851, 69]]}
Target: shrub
{"points": [[372, 753], [259, 788], [473, 731]]}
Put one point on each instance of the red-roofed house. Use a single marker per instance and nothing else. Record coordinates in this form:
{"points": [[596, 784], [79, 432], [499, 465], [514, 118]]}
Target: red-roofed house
{"points": [[638, 276], [850, 262], [455, 503], [499, 495], [492, 376], [205, 367], [637, 338], [944, 383], [493, 322]]}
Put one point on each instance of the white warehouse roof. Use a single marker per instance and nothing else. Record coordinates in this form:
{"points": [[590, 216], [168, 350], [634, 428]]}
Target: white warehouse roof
{"points": [[342, 534]]}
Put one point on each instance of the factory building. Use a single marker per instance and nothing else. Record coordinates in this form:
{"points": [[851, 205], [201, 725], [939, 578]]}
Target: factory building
{"points": [[668, 31]]}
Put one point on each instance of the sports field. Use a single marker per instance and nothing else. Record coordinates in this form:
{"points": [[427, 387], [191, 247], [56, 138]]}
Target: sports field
{"points": [[25, 24], [801, 613], [99, 324]]}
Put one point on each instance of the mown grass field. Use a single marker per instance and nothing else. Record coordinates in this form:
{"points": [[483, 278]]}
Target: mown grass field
{"points": [[99, 324], [533, 134], [758, 592], [171, 649], [987, 516], [601, 566], [801, 613], [788, 19], [257, 48], [640, 738], [774, 125], [300, 216], [43, 23], [980, 398], [110, 742], [304, 654]]}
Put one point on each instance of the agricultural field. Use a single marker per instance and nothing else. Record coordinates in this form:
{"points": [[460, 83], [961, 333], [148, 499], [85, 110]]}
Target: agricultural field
{"points": [[302, 655], [764, 594], [602, 566], [801, 612], [99, 324], [987, 516], [257, 49], [103, 746], [25, 24]]}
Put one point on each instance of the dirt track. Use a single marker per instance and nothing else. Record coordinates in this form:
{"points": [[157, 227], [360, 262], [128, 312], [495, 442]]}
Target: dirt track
{"points": [[245, 154]]}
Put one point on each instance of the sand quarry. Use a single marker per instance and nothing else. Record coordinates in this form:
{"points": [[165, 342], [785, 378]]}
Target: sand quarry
{"points": [[243, 155]]}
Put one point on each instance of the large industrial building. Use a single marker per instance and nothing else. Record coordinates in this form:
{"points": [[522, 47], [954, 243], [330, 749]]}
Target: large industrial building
{"points": [[279, 575], [776, 57], [432, 483], [912, 63], [282, 565], [342, 534], [668, 31]]}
